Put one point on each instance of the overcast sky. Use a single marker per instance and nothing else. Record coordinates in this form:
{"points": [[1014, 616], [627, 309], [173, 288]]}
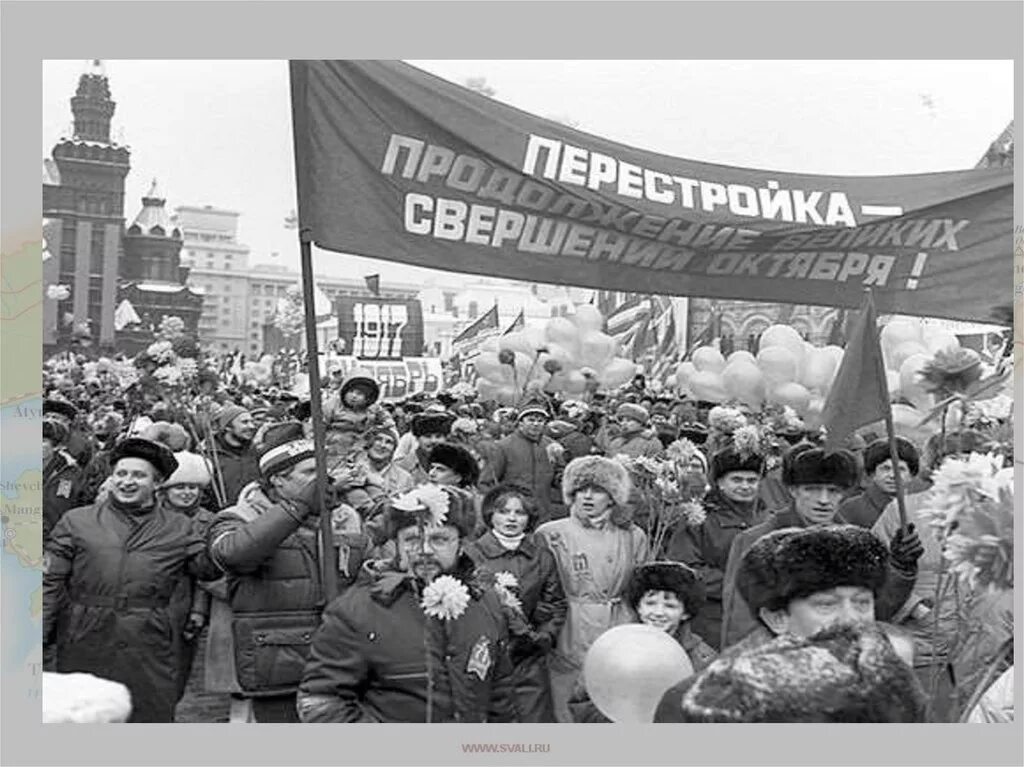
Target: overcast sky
{"points": [[219, 132]]}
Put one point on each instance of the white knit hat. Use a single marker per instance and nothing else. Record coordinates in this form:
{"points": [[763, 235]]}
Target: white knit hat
{"points": [[192, 470]]}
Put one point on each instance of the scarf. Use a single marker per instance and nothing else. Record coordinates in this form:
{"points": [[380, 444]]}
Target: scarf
{"points": [[509, 542], [131, 510]]}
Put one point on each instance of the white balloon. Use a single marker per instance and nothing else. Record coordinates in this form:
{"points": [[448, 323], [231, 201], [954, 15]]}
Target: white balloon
{"points": [[708, 358]]}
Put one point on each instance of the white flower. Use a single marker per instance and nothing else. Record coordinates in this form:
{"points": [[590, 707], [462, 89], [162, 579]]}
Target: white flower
{"points": [[747, 439], [188, 367], [462, 390], [58, 292], [647, 464], [726, 419], [694, 513], [954, 482], [430, 498], [445, 597], [160, 352], [168, 374], [505, 585], [506, 580]]}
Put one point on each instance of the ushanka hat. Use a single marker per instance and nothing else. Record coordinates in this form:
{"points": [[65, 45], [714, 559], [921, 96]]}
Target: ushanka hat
{"points": [[793, 563], [157, 455], [458, 459], [674, 577], [806, 464], [281, 446], [841, 674], [609, 475], [730, 459], [59, 408], [877, 453], [636, 412], [424, 424]]}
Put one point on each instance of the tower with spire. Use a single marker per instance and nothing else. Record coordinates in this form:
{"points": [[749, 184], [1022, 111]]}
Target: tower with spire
{"points": [[83, 198], [153, 279]]}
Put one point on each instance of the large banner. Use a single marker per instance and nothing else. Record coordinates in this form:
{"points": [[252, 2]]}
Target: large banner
{"points": [[397, 378], [380, 328], [397, 164]]}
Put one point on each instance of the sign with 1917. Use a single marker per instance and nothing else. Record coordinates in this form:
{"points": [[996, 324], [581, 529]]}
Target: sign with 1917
{"points": [[380, 328]]}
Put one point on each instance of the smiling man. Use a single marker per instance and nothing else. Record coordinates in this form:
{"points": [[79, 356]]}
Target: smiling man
{"points": [[817, 481]]}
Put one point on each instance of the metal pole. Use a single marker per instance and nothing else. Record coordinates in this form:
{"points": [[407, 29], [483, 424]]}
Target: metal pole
{"points": [[329, 557]]}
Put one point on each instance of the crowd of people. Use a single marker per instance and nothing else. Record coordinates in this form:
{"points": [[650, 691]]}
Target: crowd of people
{"points": [[482, 550]]}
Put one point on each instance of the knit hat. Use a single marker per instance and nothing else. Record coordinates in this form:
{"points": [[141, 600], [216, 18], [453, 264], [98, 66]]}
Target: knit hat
{"points": [[877, 453], [59, 408], [172, 435], [419, 505], [424, 424], [842, 674], [534, 405], [282, 446], [192, 470], [55, 431], [609, 475], [154, 453], [363, 379], [729, 459], [674, 577], [227, 414], [629, 410], [458, 459], [809, 465], [793, 563]]}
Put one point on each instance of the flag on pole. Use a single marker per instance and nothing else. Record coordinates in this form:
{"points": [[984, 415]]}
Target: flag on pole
{"points": [[859, 394], [517, 324], [125, 315], [486, 325]]}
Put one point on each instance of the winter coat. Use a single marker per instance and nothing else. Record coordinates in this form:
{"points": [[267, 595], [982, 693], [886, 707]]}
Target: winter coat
{"points": [[238, 467], [864, 508], [772, 492], [107, 591], [595, 565], [369, 663], [417, 465], [643, 443], [62, 478], [274, 592], [544, 607], [701, 656], [738, 620], [524, 464], [705, 548]]}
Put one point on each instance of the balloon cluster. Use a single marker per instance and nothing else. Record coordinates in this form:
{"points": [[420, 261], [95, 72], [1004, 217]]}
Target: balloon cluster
{"points": [[570, 355]]}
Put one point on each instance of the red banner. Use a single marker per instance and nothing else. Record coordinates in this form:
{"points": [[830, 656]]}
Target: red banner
{"points": [[397, 164]]}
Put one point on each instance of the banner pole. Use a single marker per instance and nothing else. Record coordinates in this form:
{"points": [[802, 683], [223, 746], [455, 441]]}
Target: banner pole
{"points": [[329, 556]]}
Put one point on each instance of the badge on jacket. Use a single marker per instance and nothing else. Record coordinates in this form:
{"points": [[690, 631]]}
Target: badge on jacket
{"points": [[64, 488], [480, 658]]}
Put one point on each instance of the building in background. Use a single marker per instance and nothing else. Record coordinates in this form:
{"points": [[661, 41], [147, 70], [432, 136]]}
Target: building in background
{"points": [[153, 278], [83, 212]]}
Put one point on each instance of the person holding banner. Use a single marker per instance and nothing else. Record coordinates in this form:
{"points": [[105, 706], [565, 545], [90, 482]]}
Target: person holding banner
{"points": [[232, 454]]}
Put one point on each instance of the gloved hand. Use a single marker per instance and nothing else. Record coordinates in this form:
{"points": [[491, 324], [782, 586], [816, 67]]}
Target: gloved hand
{"points": [[906, 548], [305, 502], [193, 626]]}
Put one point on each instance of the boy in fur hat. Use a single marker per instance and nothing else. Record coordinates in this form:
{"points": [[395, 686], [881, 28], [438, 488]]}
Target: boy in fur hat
{"points": [[866, 507], [817, 481], [841, 674], [351, 413], [596, 547], [389, 651]]}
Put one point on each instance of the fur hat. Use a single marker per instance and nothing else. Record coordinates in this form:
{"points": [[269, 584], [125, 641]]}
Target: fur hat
{"points": [[674, 577], [535, 405], [729, 459], [461, 511], [794, 563], [362, 379], [432, 423], [458, 459], [629, 410], [282, 446], [55, 431], [172, 435], [59, 408], [609, 475], [497, 496], [806, 464], [694, 431], [227, 414], [192, 470], [841, 674], [157, 455], [877, 453]]}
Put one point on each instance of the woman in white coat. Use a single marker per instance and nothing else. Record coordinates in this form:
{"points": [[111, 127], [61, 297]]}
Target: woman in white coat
{"points": [[596, 548]]}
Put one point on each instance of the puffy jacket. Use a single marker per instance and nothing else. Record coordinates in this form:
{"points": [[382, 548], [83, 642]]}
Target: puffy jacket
{"points": [[109, 583], [271, 558], [524, 464], [369, 658], [705, 548], [544, 607], [738, 620]]}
